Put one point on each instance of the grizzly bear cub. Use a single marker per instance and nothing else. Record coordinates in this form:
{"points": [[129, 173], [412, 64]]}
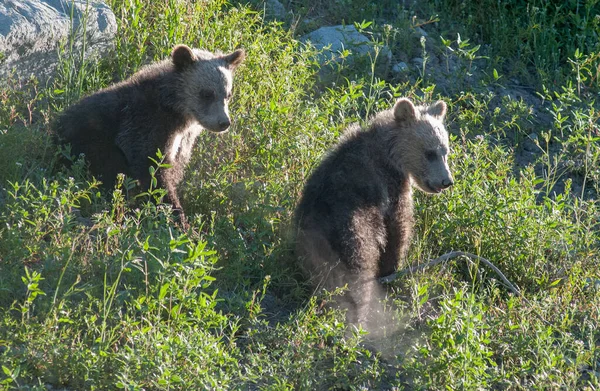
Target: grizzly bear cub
{"points": [[355, 217], [163, 106]]}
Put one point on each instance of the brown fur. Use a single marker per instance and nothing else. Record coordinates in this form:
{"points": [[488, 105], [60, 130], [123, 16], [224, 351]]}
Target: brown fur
{"points": [[354, 220], [163, 106]]}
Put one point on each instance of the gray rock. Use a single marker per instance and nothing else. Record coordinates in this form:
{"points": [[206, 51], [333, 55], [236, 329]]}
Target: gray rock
{"points": [[274, 10], [335, 39], [418, 61], [401, 67], [530, 144], [420, 32], [32, 31]]}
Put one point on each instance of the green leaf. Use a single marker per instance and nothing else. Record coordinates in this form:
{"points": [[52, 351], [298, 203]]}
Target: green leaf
{"points": [[555, 282], [163, 291]]}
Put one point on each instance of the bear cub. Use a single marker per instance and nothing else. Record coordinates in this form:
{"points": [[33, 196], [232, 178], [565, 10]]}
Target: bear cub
{"points": [[163, 106], [355, 217]]}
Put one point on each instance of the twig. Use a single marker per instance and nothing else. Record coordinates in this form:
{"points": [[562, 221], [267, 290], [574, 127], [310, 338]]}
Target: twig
{"points": [[456, 254], [446, 257]]}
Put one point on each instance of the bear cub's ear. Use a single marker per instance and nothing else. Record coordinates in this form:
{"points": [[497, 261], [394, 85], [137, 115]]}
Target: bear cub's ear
{"points": [[182, 56], [404, 110], [438, 109], [234, 59]]}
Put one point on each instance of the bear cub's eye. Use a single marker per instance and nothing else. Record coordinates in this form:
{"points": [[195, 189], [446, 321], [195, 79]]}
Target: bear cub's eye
{"points": [[207, 94], [430, 155]]}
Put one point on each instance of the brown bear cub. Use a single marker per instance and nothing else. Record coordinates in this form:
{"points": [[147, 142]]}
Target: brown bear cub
{"points": [[355, 217], [163, 106]]}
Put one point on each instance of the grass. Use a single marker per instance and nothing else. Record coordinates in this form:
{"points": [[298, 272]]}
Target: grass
{"points": [[544, 35], [99, 293]]}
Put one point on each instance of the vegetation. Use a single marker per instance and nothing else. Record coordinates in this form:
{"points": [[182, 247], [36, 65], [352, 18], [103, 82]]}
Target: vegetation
{"points": [[100, 292]]}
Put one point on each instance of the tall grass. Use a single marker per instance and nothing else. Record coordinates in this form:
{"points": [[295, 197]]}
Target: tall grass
{"points": [[533, 39]]}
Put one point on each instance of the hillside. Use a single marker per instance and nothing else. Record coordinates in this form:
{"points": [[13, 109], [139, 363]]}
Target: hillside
{"points": [[101, 291]]}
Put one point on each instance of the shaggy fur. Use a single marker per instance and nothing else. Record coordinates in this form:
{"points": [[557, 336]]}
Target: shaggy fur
{"points": [[355, 217], [163, 106]]}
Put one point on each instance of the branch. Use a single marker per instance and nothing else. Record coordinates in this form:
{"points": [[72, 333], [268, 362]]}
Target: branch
{"points": [[456, 254], [446, 257]]}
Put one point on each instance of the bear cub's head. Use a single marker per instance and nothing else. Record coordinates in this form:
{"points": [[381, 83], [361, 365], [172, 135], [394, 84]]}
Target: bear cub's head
{"points": [[205, 85], [423, 144]]}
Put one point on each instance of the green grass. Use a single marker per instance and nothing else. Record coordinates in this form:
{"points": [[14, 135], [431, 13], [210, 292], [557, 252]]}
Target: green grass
{"points": [[535, 39], [97, 292]]}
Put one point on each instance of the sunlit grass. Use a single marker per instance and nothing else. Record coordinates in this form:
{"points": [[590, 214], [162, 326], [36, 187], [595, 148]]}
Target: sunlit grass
{"points": [[99, 292]]}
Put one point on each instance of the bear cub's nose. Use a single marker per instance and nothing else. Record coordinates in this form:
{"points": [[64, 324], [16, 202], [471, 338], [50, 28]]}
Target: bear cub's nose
{"points": [[446, 183], [223, 125]]}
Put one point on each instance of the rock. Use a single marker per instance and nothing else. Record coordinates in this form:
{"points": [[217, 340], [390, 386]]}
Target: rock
{"points": [[418, 61], [31, 32], [531, 143], [335, 39], [420, 32], [274, 10], [401, 67]]}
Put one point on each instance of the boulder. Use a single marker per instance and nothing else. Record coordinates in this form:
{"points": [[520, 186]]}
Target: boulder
{"points": [[33, 31], [333, 40], [401, 67], [274, 10]]}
